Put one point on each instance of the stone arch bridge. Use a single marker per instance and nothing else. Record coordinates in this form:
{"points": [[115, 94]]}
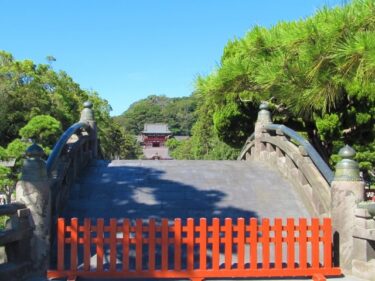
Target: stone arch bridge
{"points": [[278, 174]]}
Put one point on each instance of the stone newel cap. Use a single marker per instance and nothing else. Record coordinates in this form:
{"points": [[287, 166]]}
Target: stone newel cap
{"points": [[87, 104], [87, 113], [347, 169], [347, 152], [264, 115], [34, 151], [263, 105]]}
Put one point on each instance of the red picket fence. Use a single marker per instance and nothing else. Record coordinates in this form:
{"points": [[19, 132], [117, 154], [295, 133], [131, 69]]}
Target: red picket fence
{"points": [[247, 248]]}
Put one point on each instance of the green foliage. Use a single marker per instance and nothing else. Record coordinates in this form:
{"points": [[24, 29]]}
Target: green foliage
{"points": [[40, 103], [3, 220], [29, 91], [6, 183], [123, 145], [180, 150], [4, 173], [217, 150], [178, 113], [16, 148], [230, 123], [43, 129], [204, 143], [318, 75], [328, 126], [3, 153]]}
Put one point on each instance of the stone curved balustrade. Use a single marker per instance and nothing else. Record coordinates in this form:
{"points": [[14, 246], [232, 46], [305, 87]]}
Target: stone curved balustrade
{"points": [[295, 158], [71, 154], [41, 196]]}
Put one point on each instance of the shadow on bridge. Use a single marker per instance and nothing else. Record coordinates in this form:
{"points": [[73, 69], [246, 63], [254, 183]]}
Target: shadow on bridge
{"points": [[132, 191]]}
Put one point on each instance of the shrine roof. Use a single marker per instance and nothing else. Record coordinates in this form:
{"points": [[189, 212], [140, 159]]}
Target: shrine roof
{"points": [[156, 128]]}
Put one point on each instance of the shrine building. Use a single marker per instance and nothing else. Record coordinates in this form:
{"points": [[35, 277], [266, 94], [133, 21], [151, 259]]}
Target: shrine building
{"points": [[155, 135]]}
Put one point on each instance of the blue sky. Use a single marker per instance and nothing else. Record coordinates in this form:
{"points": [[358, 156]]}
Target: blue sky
{"points": [[127, 50]]}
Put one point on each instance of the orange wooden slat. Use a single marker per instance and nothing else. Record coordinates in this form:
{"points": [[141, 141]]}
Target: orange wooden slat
{"points": [[190, 244], [138, 245], [151, 245], [112, 244], [99, 244], [327, 242], [265, 243], [290, 242], [86, 244], [125, 244], [240, 243], [253, 228], [177, 244], [164, 244], [228, 243], [60, 243], [73, 243], [203, 244], [215, 244], [315, 242], [278, 234], [302, 243]]}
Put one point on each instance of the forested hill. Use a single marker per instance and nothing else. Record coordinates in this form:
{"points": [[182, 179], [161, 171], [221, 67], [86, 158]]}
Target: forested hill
{"points": [[178, 113]]}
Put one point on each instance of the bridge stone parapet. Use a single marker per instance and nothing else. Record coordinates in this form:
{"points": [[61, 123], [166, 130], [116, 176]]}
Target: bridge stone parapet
{"points": [[363, 262], [71, 154], [44, 190], [294, 157], [347, 191], [15, 246], [339, 195]]}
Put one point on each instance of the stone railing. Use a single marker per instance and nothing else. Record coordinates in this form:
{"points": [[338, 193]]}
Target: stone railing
{"points": [[339, 195], [72, 152], [294, 157], [15, 242], [363, 263], [42, 193]]}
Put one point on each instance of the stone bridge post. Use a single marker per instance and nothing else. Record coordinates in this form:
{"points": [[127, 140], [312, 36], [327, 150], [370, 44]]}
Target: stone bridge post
{"points": [[264, 117], [347, 190], [33, 190], [87, 115]]}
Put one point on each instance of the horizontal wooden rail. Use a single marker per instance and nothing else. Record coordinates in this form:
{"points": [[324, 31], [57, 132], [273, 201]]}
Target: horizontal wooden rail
{"points": [[194, 249]]}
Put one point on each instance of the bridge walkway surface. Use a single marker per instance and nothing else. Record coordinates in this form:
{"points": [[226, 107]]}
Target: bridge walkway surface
{"points": [[182, 189]]}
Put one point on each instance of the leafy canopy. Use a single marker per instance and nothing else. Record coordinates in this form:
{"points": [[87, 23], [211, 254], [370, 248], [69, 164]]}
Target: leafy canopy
{"points": [[318, 75], [43, 129]]}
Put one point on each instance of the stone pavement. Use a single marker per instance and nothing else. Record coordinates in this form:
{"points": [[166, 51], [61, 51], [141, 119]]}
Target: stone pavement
{"points": [[161, 152], [169, 189]]}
